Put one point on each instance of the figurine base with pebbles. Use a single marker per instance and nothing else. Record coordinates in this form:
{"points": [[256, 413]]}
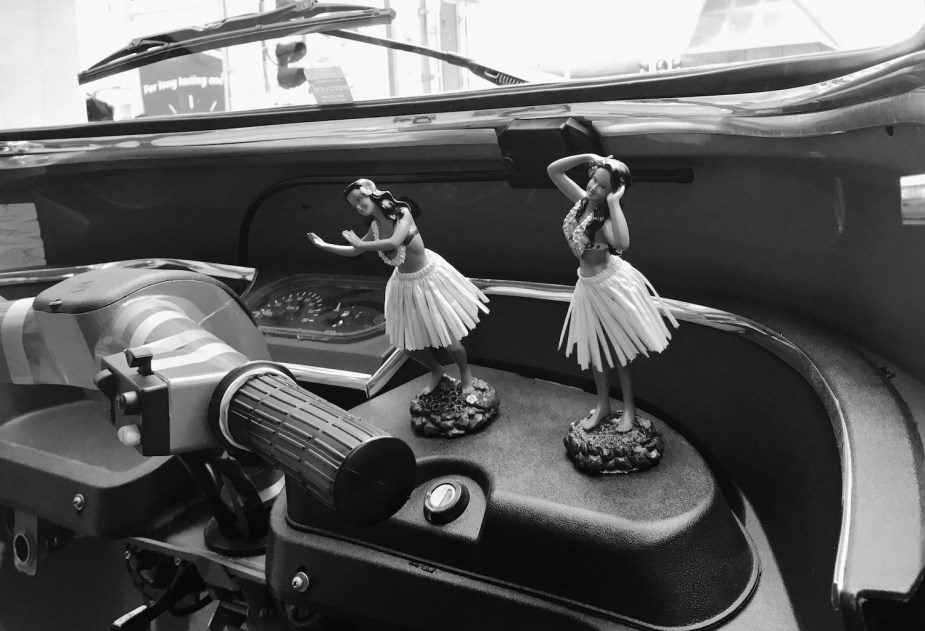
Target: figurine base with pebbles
{"points": [[607, 449], [450, 412]]}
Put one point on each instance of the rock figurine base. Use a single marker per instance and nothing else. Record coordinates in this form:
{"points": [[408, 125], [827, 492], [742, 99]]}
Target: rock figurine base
{"points": [[603, 449], [447, 412]]}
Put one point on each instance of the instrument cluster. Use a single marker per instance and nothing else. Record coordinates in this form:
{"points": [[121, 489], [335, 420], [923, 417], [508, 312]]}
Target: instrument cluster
{"points": [[320, 307]]}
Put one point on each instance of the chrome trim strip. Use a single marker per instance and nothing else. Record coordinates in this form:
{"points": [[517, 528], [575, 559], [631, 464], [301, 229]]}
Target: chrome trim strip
{"points": [[370, 384], [55, 274], [756, 333], [329, 376], [385, 372], [524, 289]]}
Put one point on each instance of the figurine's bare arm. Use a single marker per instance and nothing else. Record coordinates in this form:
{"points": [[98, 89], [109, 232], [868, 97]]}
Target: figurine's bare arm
{"points": [[564, 183], [402, 227], [616, 230], [341, 250]]}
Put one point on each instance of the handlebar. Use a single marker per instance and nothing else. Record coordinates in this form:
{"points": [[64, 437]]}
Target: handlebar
{"points": [[158, 342], [356, 469]]}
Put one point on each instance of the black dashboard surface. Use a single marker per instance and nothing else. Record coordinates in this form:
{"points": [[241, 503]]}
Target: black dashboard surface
{"points": [[611, 542]]}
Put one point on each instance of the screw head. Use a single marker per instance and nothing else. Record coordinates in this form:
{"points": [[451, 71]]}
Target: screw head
{"points": [[79, 502], [127, 555], [300, 582]]}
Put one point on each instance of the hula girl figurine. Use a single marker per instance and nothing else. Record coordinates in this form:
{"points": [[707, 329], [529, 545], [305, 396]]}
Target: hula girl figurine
{"points": [[615, 313], [428, 305]]}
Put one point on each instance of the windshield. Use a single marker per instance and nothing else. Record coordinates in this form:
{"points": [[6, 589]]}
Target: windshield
{"points": [[48, 44]]}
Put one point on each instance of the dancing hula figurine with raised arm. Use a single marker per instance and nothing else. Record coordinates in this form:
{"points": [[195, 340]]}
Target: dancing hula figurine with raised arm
{"points": [[615, 315], [428, 305]]}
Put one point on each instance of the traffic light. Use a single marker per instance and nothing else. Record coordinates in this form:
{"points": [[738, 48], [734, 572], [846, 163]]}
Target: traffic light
{"points": [[286, 54]]}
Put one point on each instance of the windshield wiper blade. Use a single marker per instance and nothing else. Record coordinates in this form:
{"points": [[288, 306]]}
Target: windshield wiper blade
{"points": [[488, 73], [294, 19]]}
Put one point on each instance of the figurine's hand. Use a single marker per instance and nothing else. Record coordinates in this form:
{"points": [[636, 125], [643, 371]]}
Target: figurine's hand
{"points": [[617, 194], [352, 238], [315, 239]]}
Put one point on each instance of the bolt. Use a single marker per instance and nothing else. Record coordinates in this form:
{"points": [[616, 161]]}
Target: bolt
{"points": [[300, 582], [128, 555], [79, 502], [177, 561]]}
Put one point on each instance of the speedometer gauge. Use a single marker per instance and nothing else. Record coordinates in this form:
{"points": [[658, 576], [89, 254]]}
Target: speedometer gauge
{"points": [[316, 307]]}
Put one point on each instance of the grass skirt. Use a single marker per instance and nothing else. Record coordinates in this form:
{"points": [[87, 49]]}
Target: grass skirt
{"points": [[432, 307], [614, 310]]}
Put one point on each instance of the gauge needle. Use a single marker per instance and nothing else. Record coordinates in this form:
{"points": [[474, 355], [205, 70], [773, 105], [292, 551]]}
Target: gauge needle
{"points": [[334, 316]]}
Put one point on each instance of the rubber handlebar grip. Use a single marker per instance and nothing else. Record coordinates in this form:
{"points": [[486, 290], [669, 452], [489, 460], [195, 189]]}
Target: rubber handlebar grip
{"points": [[358, 470]]}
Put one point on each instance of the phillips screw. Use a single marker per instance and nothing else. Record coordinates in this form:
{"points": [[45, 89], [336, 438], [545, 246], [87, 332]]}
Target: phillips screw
{"points": [[300, 581]]}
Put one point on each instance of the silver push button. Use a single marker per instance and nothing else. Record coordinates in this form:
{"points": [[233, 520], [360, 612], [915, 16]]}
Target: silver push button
{"points": [[445, 501]]}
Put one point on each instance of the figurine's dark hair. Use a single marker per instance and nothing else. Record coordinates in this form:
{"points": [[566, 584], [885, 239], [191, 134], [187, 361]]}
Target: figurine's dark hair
{"points": [[619, 176], [390, 206]]}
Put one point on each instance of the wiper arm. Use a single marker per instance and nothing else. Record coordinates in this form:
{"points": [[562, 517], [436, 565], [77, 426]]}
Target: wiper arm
{"points": [[294, 19], [488, 73]]}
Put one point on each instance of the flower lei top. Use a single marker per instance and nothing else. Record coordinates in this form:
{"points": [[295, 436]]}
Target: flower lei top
{"points": [[400, 251], [576, 231]]}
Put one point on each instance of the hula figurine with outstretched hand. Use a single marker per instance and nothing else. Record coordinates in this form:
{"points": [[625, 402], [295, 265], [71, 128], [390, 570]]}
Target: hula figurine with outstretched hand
{"points": [[615, 313], [428, 304]]}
